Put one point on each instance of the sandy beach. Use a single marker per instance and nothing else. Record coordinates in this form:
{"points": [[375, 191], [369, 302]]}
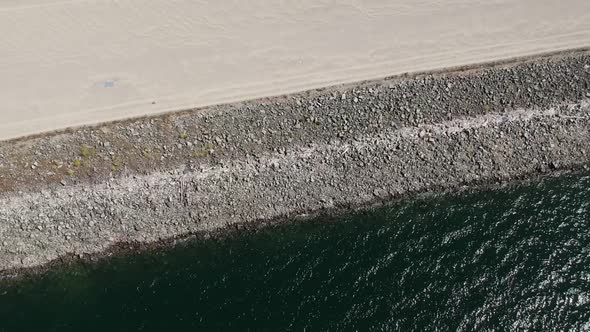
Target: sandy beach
{"points": [[70, 63], [310, 165]]}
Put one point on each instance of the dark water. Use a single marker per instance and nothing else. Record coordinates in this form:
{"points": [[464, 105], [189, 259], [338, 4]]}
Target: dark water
{"points": [[517, 259]]}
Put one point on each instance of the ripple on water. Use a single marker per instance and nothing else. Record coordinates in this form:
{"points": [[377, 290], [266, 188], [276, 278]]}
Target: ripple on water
{"points": [[501, 260]]}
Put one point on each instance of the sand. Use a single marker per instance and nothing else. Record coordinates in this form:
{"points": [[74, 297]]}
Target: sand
{"points": [[69, 63]]}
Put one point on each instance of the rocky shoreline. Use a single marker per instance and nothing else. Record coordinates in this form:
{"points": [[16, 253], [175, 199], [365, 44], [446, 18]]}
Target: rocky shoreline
{"points": [[85, 190]]}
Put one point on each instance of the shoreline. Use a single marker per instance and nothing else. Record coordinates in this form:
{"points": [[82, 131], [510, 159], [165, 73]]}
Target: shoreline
{"points": [[83, 191], [12, 277]]}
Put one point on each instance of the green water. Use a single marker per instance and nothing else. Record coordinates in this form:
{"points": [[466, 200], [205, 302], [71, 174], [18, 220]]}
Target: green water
{"points": [[501, 260]]}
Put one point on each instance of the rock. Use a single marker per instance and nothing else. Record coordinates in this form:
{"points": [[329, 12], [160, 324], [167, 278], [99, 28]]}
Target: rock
{"points": [[300, 158]]}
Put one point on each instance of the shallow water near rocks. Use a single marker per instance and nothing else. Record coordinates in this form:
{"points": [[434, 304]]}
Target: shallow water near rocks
{"points": [[496, 260]]}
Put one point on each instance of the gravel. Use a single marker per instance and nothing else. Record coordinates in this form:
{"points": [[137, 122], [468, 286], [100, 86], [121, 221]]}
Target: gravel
{"points": [[201, 171]]}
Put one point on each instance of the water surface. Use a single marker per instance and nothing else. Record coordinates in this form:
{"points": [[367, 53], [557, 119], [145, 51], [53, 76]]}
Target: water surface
{"points": [[509, 259]]}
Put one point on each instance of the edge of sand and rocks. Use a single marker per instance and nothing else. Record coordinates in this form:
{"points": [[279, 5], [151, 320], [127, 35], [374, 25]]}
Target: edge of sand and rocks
{"points": [[86, 191]]}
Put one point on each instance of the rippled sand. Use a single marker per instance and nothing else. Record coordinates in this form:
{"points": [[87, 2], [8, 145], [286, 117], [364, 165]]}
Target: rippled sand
{"points": [[66, 63]]}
